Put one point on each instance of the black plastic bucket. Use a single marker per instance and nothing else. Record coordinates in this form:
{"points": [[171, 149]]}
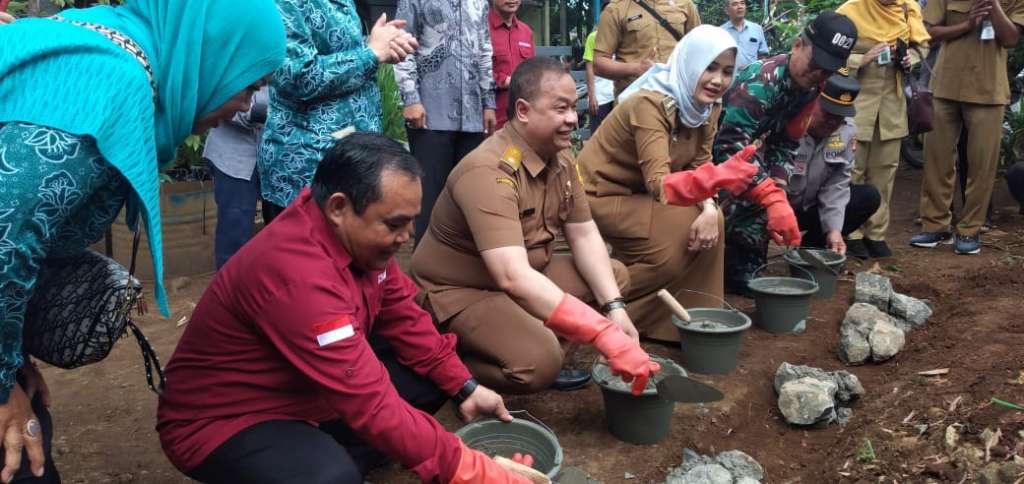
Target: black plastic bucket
{"points": [[782, 302], [826, 280], [637, 419]]}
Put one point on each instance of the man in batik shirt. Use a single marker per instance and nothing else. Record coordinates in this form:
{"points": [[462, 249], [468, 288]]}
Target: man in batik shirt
{"points": [[447, 88]]}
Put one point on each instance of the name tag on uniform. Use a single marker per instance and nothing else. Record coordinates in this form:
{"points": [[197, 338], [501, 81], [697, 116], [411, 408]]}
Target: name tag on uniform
{"points": [[635, 17], [524, 44], [334, 331]]}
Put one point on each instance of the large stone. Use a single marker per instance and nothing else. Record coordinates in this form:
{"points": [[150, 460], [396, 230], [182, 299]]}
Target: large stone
{"points": [[850, 388], [692, 459], [855, 332], [873, 289], [847, 384], [740, 465], [701, 474], [910, 309], [886, 340], [807, 401]]}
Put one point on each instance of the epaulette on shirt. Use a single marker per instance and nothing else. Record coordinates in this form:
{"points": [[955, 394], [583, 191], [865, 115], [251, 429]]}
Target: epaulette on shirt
{"points": [[511, 159], [668, 103]]}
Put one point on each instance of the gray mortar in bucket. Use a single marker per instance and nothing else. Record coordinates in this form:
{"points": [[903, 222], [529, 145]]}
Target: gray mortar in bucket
{"points": [[782, 302], [712, 338], [494, 437], [826, 280], [636, 419]]}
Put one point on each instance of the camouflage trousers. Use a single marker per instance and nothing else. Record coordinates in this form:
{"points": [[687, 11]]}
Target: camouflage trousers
{"points": [[746, 241]]}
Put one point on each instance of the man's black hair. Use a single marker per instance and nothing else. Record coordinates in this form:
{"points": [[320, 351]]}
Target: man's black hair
{"points": [[527, 79], [353, 166]]}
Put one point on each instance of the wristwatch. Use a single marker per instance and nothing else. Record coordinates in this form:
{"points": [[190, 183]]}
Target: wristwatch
{"points": [[467, 389]]}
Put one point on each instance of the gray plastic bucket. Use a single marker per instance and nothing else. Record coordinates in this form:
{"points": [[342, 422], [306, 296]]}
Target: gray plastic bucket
{"points": [[494, 437], [712, 339], [637, 419], [826, 280]]}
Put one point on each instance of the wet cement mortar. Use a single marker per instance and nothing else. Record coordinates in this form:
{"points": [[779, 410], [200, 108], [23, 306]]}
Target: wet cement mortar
{"points": [[105, 415]]}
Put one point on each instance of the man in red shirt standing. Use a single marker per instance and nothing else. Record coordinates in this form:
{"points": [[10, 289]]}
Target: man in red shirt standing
{"points": [[307, 359], [513, 43]]}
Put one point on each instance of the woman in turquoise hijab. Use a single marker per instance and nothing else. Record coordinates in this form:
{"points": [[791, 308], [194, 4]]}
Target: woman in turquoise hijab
{"points": [[93, 104]]}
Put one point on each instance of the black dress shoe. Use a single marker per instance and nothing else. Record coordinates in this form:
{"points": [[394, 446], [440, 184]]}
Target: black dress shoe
{"points": [[856, 248], [877, 248], [569, 380]]}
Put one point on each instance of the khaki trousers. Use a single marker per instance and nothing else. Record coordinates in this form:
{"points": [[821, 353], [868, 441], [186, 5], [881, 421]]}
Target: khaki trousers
{"points": [[876, 165], [661, 260], [984, 127], [507, 349]]}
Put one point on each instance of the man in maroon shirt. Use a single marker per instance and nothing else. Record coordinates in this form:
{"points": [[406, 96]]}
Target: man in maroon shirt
{"points": [[307, 357], [513, 43]]}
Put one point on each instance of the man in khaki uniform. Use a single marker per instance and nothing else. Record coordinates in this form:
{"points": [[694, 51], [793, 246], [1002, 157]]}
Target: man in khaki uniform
{"points": [[486, 261], [630, 39], [971, 89]]}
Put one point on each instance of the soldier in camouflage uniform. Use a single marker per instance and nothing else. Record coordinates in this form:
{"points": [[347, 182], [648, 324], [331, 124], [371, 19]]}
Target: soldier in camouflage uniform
{"points": [[770, 102]]}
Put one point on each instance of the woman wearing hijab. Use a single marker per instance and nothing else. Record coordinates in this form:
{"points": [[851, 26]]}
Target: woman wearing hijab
{"points": [[95, 101], [881, 108], [650, 183]]}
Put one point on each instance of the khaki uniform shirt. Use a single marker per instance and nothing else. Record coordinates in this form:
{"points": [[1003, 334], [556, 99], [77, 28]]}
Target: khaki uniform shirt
{"points": [[500, 195], [640, 142], [880, 85], [968, 69], [629, 33]]}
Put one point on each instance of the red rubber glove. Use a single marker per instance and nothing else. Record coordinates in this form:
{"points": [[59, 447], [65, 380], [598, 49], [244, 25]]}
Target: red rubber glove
{"points": [[693, 186], [477, 468], [579, 323], [781, 221]]}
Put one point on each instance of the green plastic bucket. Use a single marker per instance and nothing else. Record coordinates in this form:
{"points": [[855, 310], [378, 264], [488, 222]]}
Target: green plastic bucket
{"points": [[637, 419], [712, 339], [494, 437], [826, 280]]}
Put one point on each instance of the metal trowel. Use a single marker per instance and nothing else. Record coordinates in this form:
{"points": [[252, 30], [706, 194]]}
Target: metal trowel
{"points": [[683, 389]]}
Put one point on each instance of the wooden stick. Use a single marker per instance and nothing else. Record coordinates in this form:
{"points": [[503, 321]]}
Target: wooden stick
{"points": [[673, 305], [535, 476]]}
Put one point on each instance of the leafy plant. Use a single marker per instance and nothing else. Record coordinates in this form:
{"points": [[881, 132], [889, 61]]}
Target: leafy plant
{"points": [[391, 105], [866, 452]]}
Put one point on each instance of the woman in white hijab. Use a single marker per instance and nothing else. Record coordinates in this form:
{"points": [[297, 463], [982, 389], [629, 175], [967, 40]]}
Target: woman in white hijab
{"points": [[650, 181]]}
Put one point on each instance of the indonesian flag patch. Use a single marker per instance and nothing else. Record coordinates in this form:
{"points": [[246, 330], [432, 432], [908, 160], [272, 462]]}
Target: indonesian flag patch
{"points": [[334, 331]]}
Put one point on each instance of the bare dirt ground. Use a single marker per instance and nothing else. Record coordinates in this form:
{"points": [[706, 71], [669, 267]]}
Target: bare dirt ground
{"points": [[105, 414]]}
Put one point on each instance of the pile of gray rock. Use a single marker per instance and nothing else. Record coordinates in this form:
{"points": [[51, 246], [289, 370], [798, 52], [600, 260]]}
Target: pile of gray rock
{"points": [[876, 324], [812, 397], [731, 467]]}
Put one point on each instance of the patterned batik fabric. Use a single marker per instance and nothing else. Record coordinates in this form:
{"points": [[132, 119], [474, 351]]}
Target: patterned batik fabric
{"points": [[327, 83], [746, 240], [760, 104], [57, 196], [451, 73]]}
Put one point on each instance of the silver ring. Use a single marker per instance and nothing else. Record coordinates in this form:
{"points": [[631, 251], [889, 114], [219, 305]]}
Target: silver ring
{"points": [[32, 428]]}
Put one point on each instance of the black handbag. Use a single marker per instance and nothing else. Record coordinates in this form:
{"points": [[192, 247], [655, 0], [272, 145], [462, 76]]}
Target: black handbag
{"points": [[81, 307], [920, 112]]}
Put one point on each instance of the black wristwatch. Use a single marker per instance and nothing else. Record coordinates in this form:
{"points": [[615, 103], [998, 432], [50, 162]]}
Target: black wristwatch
{"points": [[617, 303], [467, 389]]}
